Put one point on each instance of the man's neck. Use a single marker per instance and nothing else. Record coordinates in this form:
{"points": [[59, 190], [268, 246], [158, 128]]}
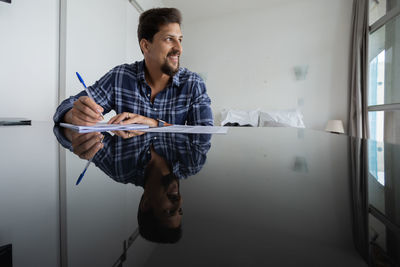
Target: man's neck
{"points": [[158, 162], [155, 78]]}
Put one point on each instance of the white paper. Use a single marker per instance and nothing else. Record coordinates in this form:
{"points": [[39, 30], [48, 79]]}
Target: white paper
{"points": [[103, 127], [188, 129]]}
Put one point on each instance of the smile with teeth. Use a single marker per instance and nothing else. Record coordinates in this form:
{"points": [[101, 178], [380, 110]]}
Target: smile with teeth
{"points": [[174, 58], [173, 188]]}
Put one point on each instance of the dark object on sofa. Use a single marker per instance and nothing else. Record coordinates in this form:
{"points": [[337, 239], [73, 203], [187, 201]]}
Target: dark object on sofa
{"points": [[235, 124]]}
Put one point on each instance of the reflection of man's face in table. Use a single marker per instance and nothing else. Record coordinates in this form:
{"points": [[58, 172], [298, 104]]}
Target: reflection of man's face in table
{"points": [[161, 202], [164, 200]]}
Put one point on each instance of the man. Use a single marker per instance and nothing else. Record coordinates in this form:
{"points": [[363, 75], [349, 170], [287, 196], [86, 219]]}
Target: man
{"points": [[153, 91]]}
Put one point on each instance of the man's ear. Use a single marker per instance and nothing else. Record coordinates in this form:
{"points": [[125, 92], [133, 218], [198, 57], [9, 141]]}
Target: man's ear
{"points": [[145, 203], [144, 45]]}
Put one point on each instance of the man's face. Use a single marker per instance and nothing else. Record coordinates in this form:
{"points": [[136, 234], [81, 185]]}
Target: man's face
{"points": [[166, 48], [167, 205], [164, 198]]}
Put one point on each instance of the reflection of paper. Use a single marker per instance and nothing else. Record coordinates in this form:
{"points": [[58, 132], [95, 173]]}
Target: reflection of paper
{"points": [[189, 129], [103, 127]]}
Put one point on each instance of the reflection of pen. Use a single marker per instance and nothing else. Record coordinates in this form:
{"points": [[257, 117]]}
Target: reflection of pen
{"points": [[87, 165], [86, 90], [83, 173]]}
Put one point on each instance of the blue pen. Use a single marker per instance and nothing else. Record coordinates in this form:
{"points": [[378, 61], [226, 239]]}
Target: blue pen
{"points": [[86, 167], [86, 90], [83, 173], [84, 85], [90, 161]]}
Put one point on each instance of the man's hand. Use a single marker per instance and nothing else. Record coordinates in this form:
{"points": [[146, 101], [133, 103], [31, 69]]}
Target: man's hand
{"points": [[87, 145], [84, 112], [128, 118]]}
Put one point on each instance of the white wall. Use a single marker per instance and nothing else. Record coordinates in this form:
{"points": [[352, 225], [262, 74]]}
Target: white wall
{"points": [[29, 58], [248, 57], [147, 4], [133, 52], [95, 39]]}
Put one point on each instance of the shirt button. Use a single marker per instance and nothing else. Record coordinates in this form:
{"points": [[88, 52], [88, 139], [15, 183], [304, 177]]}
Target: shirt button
{"points": [[155, 138], [148, 95], [155, 109], [148, 152]]}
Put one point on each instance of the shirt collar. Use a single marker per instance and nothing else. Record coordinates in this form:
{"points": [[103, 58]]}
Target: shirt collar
{"points": [[175, 78], [141, 71], [141, 74]]}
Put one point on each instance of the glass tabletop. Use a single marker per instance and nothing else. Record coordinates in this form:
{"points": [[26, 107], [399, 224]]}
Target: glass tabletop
{"points": [[252, 197]]}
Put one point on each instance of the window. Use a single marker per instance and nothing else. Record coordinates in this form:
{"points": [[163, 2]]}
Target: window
{"points": [[383, 82], [384, 69]]}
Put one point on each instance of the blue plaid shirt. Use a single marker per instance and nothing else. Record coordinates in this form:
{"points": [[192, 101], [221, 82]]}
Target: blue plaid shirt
{"points": [[124, 89], [125, 160]]}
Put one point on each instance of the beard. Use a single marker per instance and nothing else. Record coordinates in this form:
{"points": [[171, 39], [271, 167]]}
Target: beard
{"points": [[167, 68]]}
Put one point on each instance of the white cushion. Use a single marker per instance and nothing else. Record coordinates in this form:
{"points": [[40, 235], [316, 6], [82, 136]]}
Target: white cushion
{"points": [[242, 117], [283, 118]]}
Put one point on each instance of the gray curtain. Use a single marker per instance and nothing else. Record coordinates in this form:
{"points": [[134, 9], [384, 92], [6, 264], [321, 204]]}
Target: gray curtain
{"points": [[358, 117], [359, 193], [358, 125]]}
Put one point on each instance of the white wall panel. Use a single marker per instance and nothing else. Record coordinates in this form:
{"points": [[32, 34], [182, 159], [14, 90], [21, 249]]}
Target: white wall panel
{"points": [[29, 59]]}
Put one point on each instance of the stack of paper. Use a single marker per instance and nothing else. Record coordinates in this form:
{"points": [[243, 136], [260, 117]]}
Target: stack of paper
{"points": [[103, 127], [189, 129]]}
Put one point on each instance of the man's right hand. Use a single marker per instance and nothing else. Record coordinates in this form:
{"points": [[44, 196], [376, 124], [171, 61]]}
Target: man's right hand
{"points": [[84, 112], [87, 145]]}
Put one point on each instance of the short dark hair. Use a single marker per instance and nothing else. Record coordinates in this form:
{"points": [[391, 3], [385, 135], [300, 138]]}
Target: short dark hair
{"points": [[151, 20], [151, 229]]}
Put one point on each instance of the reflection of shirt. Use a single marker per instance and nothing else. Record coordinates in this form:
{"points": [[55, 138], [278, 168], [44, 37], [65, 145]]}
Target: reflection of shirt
{"points": [[124, 160], [124, 89]]}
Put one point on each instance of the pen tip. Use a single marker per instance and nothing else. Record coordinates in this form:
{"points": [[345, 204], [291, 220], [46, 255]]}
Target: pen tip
{"points": [[80, 177]]}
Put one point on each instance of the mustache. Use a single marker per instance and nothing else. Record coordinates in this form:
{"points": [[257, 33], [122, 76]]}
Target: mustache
{"points": [[174, 53]]}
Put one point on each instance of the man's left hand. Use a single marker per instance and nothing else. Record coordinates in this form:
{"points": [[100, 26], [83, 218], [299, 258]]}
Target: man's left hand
{"points": [[128, 118]]}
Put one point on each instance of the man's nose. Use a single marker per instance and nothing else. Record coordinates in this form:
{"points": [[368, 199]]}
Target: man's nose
{"points": [[178, 47]]}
